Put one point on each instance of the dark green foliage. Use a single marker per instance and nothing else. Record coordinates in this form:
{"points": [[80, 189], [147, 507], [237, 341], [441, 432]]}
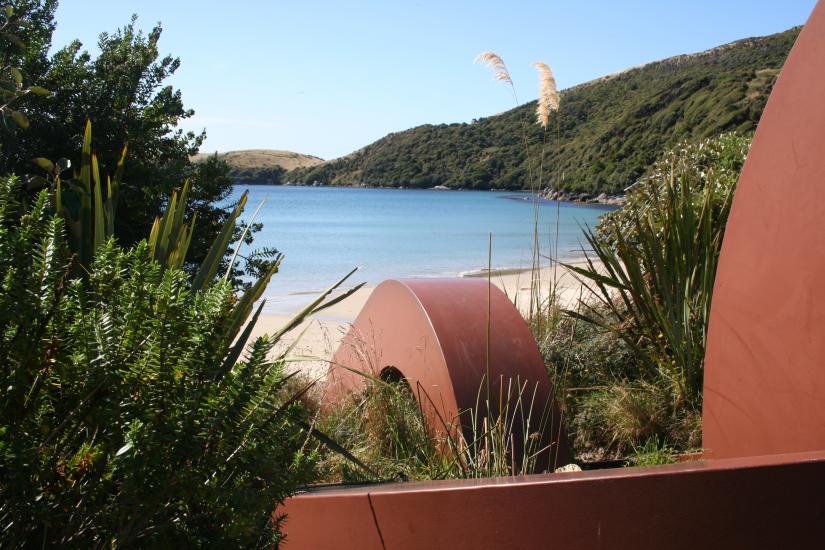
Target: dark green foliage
{"points": [[584, 361], [652, 453], [583, 356], [35, 35], [270, 174], [124, 91], [658, 261], [611, 130], [13, 87], [609, 403], [127, 415], [88, 202]]}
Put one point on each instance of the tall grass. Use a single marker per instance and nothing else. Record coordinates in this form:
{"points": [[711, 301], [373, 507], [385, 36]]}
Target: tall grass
{"points": [[387, 429], [648, 282], [382, 426], [541, 311], [508, 434]]}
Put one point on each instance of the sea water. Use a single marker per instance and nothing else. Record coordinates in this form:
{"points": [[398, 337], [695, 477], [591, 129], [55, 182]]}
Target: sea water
{"points": [[324, 232]]}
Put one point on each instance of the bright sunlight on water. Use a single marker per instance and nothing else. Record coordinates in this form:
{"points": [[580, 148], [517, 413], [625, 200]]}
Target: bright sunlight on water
{"points": [[326, 231]]}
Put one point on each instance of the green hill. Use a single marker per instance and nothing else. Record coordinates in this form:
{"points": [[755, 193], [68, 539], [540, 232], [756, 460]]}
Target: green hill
{"points": [[611, 129], [262, 165]]}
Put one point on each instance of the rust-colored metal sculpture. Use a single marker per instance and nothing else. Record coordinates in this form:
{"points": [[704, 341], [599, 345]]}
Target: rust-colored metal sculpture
{"points": [[765, 362], [764, 395], [741, 503], [435, 333]]}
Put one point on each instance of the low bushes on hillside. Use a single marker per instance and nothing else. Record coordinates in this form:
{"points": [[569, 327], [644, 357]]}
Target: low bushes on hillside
{"points": [[610, 130]]}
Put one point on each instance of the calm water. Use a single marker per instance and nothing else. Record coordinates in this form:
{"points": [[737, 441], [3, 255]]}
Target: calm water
{"points": [[324, 232]]}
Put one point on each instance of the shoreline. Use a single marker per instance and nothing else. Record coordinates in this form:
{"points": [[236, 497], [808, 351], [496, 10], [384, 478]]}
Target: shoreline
{"points": [[504, 271], [318, 338], [290, 302], [570, 197]]}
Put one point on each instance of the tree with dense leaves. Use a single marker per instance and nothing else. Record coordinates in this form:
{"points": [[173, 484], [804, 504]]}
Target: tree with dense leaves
{"points": [[123, 90]]}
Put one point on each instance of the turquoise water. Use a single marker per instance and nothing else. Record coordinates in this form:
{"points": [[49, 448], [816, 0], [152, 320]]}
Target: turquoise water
{"points": [[324, 232]]}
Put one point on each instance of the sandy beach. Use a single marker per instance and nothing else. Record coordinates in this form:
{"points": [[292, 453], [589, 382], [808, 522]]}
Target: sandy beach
{"points": [[318, 338]]}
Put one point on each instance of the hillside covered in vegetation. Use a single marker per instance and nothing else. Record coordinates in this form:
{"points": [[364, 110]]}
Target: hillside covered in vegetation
{"points": [[611, 129], [261, 165]]}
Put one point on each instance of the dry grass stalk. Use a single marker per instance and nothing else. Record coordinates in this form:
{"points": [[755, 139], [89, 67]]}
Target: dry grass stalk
{"points": [[548, 94], [496, 64]]}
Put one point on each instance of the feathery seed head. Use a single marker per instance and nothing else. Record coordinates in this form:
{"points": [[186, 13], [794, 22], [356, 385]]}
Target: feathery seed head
{"points": [[496, 64], [548, 94]]}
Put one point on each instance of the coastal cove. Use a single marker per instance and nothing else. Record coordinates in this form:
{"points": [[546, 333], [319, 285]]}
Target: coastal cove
{"points": [[324, 232]]}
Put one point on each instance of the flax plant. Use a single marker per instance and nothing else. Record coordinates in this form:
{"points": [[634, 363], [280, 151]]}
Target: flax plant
{"points": [[656, 285]]}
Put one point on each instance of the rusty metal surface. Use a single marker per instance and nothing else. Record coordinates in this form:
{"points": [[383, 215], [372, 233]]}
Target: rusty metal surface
{"points": [[765, 364], [435, 332], [755, 502], [334, 521]]}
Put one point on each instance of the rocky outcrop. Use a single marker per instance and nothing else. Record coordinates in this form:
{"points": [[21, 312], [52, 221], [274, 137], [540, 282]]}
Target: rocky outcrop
{"points": [[602, 198]]}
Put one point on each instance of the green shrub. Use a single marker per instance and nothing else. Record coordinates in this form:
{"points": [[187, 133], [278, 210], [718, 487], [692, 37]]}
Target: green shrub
{"points": [[12, 87], [714, 163], [610, 421], [122, 83], [582, 355], [651, 274], [130, 412], [652, 453], [583, 361]]}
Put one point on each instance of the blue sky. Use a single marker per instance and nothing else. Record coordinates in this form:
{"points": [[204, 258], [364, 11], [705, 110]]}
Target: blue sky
{"points": [[326, 78]]}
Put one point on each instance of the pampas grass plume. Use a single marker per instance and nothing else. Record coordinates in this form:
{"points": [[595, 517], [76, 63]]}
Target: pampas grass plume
{"points": [[548, 94], [496, 64]]}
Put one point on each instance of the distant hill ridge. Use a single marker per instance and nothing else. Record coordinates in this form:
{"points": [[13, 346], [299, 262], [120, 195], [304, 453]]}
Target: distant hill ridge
{"points": [[611, 128], [262, 165]]}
